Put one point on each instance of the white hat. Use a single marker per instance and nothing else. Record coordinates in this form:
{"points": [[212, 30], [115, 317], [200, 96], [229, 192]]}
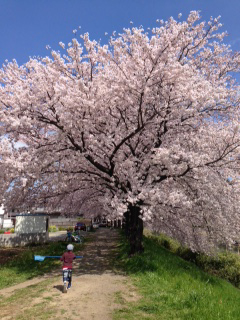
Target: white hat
{"points": [[70, 247]]}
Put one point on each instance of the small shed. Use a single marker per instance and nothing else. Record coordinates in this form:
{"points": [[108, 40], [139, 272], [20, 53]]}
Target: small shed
{"points": [[29, 228], [27, 223]]}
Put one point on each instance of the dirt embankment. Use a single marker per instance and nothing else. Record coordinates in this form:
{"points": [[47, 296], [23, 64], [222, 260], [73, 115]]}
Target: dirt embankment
{"points": [[94, 294]]}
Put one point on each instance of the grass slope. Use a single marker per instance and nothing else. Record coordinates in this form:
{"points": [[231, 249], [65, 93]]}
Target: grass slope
{"points": [[172, 288]]}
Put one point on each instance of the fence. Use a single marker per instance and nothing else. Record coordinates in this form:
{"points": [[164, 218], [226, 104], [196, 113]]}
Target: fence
{"points": [[63, 222]]}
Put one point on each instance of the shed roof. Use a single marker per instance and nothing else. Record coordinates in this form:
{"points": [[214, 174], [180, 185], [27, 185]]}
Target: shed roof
{"points": [[31, 214]]}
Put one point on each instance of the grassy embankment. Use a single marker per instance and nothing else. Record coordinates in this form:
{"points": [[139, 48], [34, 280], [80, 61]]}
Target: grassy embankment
{"points": [[171, 288], [23, 267]]}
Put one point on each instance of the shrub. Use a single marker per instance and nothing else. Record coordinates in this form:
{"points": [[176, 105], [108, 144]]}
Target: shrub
{"points": [[225, 265], [166, 242], [1, 231], [62, 228], [53, 229], [11, 230], [187, 254]]}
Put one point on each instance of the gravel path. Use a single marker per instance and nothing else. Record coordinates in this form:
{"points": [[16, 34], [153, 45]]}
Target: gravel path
{"points": [[59, 235]]}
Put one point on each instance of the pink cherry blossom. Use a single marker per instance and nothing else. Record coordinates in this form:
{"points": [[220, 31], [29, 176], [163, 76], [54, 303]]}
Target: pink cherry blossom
{"points": [[148, 122]]}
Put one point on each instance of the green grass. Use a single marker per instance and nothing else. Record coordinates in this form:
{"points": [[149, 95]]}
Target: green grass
{"points": [[224, 264], [172, 288], [23, 267]]}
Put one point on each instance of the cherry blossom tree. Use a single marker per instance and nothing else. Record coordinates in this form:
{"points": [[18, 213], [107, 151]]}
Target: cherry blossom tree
{"points": [[148, 123]]}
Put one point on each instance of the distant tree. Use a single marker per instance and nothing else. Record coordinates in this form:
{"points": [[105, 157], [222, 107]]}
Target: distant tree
{"points": [[150, 122]]}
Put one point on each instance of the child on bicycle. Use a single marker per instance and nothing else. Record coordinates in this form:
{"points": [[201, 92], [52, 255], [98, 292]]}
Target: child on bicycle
{"points": [[69, 235], [67, 259]]}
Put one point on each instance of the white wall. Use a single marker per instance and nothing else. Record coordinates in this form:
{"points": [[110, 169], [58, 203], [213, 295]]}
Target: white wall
{"points": [[18, 240], [7, 223], [31, 224], [1, 210]]}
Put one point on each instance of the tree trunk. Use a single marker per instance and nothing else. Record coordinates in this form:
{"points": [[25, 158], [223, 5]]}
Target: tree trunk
{"points": [[119, 223], [135, 230], [126, 223]]}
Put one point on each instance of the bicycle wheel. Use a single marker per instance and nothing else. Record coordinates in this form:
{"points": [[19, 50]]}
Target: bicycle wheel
{"points": [[65, 287]]}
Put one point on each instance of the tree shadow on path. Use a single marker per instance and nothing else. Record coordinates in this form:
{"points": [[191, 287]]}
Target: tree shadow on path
{"points": [[98, 254]]}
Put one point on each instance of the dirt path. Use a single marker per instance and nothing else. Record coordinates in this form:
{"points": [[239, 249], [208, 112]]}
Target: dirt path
{"points": [[97, 290]]}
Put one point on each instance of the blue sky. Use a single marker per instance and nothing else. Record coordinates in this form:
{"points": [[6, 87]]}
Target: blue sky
{"points": [[27, 26]]}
